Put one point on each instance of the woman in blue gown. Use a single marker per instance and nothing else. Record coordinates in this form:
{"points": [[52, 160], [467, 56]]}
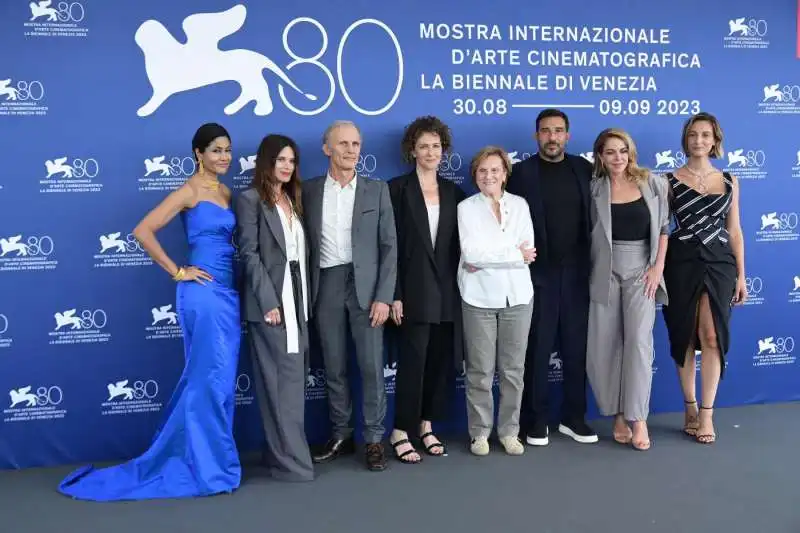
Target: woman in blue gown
{"points": [[193, 452]]}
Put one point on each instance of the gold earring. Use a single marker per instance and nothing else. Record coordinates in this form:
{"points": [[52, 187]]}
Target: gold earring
{"points": [[200, 166]]}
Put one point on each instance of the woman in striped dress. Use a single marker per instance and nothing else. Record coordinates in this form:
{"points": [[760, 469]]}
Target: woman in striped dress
{"points": [[704, 269]]}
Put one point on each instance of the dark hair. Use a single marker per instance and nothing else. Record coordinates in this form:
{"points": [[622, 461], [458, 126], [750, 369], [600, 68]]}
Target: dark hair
{"points": [[205, 135], [264, 177], [547, 113], [426, 124]]}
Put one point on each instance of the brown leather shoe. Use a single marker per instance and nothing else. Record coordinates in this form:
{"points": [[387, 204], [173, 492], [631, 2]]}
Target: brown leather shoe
{"points": [[376, 457], [333, 449]]}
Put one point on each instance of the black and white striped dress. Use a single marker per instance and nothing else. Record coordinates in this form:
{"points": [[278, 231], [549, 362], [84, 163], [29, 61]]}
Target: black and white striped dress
{"points": [[699, 259]]}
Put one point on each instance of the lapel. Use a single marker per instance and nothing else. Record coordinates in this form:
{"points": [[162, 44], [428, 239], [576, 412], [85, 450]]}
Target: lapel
{"points": [[314, 211], [603, 206], [652, 206], [447, 214], [535, 197], [358, 207], [583, 185], [419, 212], [274, 223]]}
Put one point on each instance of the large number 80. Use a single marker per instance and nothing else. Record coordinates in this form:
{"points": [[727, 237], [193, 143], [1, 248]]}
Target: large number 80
{"points": [[313, 60]]}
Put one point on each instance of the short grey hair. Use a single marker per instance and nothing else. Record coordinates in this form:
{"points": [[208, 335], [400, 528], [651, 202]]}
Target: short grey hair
{"points": [[337, 124]]}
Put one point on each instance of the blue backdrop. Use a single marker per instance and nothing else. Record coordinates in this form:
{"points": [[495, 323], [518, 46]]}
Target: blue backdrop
{"points": [[99, 100]]}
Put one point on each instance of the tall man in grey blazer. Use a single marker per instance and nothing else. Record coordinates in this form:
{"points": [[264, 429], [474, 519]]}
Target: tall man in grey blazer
{"points": [[353, 268]]}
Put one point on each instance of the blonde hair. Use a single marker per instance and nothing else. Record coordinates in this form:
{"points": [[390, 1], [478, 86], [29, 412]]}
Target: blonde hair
{"points": [[633, 172], [488, 151], [716, 150]]}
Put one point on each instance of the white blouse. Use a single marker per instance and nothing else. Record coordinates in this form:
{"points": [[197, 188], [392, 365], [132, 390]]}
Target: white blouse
{"points": [[433, 221], [295, 240], [503, 278]]}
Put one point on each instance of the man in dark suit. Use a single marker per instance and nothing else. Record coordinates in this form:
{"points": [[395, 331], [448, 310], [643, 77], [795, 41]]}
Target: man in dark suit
{"points": [[353, 268], [556, 186]]}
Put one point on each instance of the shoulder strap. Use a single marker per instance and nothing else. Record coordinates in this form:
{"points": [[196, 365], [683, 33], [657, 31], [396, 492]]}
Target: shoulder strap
{"points": [[728, 182]]}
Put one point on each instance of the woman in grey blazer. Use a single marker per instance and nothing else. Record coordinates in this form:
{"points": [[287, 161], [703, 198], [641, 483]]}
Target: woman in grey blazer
{"points": [[274, 252], [630, 228]]}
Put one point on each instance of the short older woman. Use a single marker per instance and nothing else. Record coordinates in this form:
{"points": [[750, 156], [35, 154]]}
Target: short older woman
{"points": [[630, 227], [496, 236]]}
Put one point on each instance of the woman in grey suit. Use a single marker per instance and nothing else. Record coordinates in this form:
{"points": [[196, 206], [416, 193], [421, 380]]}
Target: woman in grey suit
{"points": [[630, 228], [273, 248]]}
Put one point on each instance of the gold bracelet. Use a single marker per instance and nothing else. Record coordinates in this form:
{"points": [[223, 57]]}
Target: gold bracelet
{"points": [[180, 274]]}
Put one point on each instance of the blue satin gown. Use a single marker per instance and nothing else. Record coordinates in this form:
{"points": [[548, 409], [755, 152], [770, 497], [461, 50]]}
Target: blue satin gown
{"points": [[193, 452]]}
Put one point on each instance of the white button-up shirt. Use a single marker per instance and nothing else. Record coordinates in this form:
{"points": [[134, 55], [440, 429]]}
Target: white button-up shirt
{"points": [[336, 247], [503, 278]]}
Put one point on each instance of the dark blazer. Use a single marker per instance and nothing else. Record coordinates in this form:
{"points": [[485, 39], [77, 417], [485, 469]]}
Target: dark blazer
{"points": [[262, 251], [426, 271], [374, 239], [524, 181]]}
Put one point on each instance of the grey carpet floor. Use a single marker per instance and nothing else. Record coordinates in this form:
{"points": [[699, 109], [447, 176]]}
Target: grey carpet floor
{"points": [[747, 482]]}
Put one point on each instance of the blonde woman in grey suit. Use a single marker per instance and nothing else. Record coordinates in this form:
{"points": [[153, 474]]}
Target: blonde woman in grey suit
{"points": [[630, 228]]}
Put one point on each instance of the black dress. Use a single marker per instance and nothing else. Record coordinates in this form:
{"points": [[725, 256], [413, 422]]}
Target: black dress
{"points": [[699, 259]]}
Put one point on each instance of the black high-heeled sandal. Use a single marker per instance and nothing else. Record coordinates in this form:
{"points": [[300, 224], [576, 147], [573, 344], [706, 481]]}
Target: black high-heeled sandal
{"points": [[691, 423], [402, 456], [705, 438], [429, 449]]}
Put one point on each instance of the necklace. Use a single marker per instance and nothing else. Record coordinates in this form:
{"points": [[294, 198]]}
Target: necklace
{"points": [[211, 185], [700, 178]]}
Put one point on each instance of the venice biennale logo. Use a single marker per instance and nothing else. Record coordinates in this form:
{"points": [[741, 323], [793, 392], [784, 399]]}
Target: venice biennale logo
{"points": [[173, 67]]}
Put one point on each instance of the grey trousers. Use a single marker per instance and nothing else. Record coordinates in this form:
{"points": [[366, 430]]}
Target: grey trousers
{"points": [[495, 339], [337, 305], [619, 360], [280, 379]]}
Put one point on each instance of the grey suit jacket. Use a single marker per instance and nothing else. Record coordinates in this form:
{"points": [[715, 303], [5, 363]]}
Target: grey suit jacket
{"points": [[262, 251], [374, 239], [655, 193]]}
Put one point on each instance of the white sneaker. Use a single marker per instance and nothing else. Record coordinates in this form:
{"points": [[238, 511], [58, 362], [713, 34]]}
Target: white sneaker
{"points": [[538, 436], [479, 446], [512, 445], [579, 432]]}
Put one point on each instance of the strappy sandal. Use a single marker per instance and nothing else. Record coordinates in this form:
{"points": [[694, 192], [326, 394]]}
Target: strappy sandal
{"points": [[429, 449], [402, 456], [706, 438], [622, 438], [641, 446], [691, 423]]}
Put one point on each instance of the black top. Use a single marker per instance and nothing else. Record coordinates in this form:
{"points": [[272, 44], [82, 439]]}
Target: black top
{"points": [[630, 221], [526, 181], [563, 211]]}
